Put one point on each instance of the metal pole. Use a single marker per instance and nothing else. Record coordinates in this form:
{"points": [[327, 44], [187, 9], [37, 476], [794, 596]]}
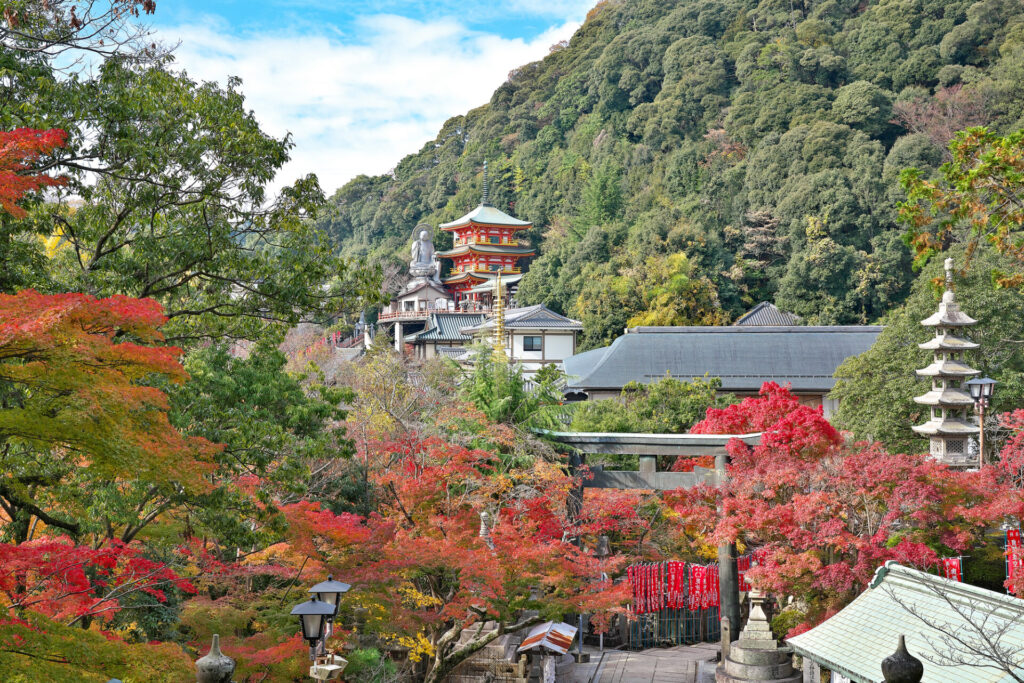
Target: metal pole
{"points": [[579, 643], [981, 433]]}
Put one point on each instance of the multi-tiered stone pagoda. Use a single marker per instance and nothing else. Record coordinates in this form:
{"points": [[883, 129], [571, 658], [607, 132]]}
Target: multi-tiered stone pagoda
{"points": [[950, 428]]}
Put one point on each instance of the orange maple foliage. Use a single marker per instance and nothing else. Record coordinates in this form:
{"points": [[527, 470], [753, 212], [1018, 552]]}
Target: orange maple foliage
{"points": [[19, 150], [80, 363], [422, 560]]}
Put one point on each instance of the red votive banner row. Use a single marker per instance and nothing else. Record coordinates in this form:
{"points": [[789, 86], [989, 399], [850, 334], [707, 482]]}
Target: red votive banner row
{"points": [[673, 585]]}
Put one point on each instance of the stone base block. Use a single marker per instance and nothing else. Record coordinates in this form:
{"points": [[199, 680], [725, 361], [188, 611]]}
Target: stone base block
{"points": [[722, 677], [760, 657]]}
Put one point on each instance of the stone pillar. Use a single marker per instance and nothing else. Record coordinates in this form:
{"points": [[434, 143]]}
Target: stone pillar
{"points": [[727, 638], [728, 574], [398, 337], [548, 664], [812, 672]]}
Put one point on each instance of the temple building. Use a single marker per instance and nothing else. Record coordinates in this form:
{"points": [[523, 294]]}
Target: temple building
{"points": [[443, 335], [743, 357], [532, 336], [767, 314], [484, 244], [949, 429]]}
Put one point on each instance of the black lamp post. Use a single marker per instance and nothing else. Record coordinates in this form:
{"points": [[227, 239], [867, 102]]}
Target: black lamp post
{"points": [[314, 617], [981, 391]]}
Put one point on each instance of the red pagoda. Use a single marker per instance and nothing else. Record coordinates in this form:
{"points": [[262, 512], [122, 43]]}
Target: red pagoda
{"points": [[484, 246]]}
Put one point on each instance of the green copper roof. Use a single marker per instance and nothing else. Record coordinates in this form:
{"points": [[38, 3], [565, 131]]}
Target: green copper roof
{"points": [[487, 215], [445, 327], [856, 640], [506, 280], [487, 249]]}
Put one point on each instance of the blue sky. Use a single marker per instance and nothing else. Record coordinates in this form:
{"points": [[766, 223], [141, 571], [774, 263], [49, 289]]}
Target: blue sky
{"points": [[360, 84]]}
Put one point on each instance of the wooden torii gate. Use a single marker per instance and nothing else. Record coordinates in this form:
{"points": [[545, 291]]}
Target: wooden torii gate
{"points": [[648, 447]]}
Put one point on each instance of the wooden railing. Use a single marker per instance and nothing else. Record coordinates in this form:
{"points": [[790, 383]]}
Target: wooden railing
{"points": [[476, 241], [462, 307], [480, 269]]}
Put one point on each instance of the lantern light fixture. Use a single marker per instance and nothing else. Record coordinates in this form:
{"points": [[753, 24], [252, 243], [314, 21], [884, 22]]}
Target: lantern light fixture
{"points": [[981, 389], [313, 616], [330, 591]]}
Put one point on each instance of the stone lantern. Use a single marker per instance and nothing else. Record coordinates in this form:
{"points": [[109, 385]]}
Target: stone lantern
{"points": [[215, 667], [949, 428]]}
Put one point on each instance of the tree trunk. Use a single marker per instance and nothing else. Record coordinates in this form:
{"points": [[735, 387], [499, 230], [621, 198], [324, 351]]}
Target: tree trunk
{"points": [[444, 664]]}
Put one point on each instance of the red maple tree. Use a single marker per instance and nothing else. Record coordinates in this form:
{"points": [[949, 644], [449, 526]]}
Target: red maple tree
{"points": [[421, 559], [19, 151], [78, 363], [79, 406], [827, 514], [72, 583]]}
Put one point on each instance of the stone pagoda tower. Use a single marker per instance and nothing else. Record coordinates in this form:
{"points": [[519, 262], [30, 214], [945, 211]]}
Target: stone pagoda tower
{"points": [[949, 428]]}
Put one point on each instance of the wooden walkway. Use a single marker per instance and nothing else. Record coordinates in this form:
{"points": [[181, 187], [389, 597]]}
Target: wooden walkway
{"points": [[681, 664]]}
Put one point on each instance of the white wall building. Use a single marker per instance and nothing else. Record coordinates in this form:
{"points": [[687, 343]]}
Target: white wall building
{"points": [[535, 336]]}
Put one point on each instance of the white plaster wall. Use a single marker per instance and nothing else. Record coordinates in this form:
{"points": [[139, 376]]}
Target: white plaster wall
{"points": [[558, 346]]}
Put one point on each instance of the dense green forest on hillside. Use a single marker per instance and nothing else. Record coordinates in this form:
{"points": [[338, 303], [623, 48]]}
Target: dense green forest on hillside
{"points": [[681, 160]]}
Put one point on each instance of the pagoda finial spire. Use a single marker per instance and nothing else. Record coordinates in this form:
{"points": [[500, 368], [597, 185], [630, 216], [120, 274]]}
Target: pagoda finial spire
{"points": [[485, 200], [949, 274], [499, 319]]}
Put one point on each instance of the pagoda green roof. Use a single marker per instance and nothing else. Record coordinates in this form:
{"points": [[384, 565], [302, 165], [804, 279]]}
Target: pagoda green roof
{"points": [[485, 214], [487, 249]]}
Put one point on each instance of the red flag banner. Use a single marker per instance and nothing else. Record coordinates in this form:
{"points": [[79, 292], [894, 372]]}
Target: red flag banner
{"points": [[631, 575], [693, 594], [1014, 560], [643, 589], [673, 585], [712, 593], [671, 588], [742, 565], [952, 568]]}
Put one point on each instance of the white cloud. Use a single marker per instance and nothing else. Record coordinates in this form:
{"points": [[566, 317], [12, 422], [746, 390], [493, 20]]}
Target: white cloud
{"points": [[358, 107]]}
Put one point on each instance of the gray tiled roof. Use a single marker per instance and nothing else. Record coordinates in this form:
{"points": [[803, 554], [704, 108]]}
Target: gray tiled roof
{"points": [[454, 352], [445, 327], [854, 641], [766, 313], [534, 317], [743, 357]]}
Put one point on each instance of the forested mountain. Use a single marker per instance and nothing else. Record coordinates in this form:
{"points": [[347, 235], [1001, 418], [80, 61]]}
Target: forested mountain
{"points": [[682, 159]]}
